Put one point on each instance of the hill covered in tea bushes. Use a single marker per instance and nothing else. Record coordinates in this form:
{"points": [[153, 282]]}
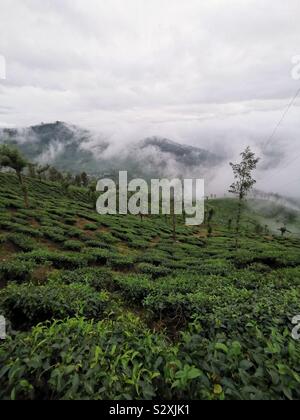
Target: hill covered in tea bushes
{"points": [[111, 307]]}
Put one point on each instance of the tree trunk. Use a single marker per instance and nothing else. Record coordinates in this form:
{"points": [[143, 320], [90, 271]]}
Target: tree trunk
{"points": [[174, 220], [24, 189], [174, 226], [184, 217], [238, 222]]}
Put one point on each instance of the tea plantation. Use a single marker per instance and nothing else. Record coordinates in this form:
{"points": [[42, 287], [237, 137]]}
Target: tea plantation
{"points": [[111, 307]]}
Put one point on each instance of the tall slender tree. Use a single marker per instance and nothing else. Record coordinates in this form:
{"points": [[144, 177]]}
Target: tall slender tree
{"points": [[55, 175], [41, 170], [284, 230], [243, 184], [174, 220], [32, 170], [84, 179], [10, 157], [210, 215], [77, 181]]}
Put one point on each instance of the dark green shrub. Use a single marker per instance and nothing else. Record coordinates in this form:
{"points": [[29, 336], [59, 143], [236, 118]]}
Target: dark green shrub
{"points": [[28, 231], [98, 278], [134, 287], [3, 238], [15, 270], [59, 260], [73, 232], [215, 267], [54, 234], [27, 305], [251, 365], [99, 256], [17, 228], [97, 244], [90, 226], [121, 262], [153, 271], [109, 360], [175, 306], [106, 237], [259, 268], [71, 221], [23, 242], [73, 245], [138, 244]]}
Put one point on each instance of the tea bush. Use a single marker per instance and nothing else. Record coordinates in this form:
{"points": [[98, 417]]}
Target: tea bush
{"points": [[97, 244], [15, 270], [99, 256], [23, 242], [250, 365], [73, 245], [59, 260], [54, 234], [98, 278], [78, 359], [91, 226], [121, 262], [27, 305], [153, 271], [134, 287]]}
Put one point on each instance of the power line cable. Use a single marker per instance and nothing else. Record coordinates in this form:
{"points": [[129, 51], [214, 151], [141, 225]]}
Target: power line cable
{"points": [[286, 111], [271, 137]]}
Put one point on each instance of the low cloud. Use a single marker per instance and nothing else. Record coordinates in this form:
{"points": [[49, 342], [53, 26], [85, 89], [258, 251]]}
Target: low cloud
{"points": [[217, 76]]}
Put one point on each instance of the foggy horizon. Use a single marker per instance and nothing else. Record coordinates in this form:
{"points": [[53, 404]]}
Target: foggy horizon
{"points": [[218, 77]]}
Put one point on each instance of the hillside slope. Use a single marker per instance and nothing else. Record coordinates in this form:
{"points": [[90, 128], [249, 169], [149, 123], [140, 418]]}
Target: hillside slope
{"points": [[128, 313]]}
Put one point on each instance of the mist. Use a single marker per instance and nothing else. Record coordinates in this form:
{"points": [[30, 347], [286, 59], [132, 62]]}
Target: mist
{"points": [[201, 73]]}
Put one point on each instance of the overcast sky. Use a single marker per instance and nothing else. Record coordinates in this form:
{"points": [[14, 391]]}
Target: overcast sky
{"points": [[213, 73]]}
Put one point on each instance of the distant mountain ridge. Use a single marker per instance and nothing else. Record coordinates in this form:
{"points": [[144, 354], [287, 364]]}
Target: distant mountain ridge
{"points": [[73, 149], [187, 154]]}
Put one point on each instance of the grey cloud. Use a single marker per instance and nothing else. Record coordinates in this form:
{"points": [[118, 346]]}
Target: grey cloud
{"points": [[204, 72]]}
